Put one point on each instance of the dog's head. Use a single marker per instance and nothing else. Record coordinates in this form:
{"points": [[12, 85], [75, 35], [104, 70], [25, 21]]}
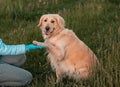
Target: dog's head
{"points": [[51, 25]]}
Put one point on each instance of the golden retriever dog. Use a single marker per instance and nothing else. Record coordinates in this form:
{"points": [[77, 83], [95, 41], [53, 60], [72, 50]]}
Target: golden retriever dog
{"points": [[68, 55]]}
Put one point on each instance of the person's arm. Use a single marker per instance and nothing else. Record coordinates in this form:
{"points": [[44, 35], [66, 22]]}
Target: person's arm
{"points": [[17, 49], [11, 49]]}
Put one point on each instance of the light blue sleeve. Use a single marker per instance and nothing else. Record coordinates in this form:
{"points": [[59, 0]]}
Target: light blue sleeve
{"points": [[11, 49]]}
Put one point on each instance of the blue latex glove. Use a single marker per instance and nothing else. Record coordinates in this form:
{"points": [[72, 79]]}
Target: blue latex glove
{"points": [[30, 47]]}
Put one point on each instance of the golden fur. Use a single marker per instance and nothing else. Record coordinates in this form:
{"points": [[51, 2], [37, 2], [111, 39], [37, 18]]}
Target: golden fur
{"points": [[68, 55]]}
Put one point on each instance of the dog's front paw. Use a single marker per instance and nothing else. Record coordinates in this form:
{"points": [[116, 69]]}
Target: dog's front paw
{"points": [[39, 43], [35, 42]]}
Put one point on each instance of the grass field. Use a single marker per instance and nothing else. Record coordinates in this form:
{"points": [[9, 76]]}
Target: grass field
{"points": [[96, 22]]}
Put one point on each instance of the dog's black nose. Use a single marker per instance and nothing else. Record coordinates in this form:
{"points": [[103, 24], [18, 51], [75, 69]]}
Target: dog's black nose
{"points": [[47, 28]]}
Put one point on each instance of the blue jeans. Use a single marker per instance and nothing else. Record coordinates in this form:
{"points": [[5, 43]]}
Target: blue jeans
{"points": [[11, 74]]}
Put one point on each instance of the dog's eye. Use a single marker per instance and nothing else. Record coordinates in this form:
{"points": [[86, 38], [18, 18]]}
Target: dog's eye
{"points": [[45, 20], [52, 21]]}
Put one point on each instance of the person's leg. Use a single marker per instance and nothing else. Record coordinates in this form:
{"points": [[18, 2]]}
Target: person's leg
{"points": [[13, 76], [16, 60]]}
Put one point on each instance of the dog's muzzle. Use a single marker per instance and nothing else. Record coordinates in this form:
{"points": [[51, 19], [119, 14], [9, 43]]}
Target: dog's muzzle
{"points": [[48, 30]]}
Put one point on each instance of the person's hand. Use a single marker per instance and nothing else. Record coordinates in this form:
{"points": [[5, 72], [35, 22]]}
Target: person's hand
{"points": [[30, 47]]}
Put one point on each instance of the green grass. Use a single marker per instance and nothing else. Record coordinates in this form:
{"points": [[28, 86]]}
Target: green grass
{"points": [[96, 22]]}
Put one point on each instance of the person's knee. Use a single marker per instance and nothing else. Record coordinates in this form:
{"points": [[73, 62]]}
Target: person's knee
{"points": [[20, 60], [16, 60], [22, 81], [14, 76]]}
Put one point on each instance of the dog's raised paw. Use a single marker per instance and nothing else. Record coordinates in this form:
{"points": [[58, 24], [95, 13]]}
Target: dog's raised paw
{"points": [[35, 42]]}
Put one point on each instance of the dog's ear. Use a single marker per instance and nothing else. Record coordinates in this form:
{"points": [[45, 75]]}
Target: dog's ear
{"points": [[60, 21], [40, 21]]}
